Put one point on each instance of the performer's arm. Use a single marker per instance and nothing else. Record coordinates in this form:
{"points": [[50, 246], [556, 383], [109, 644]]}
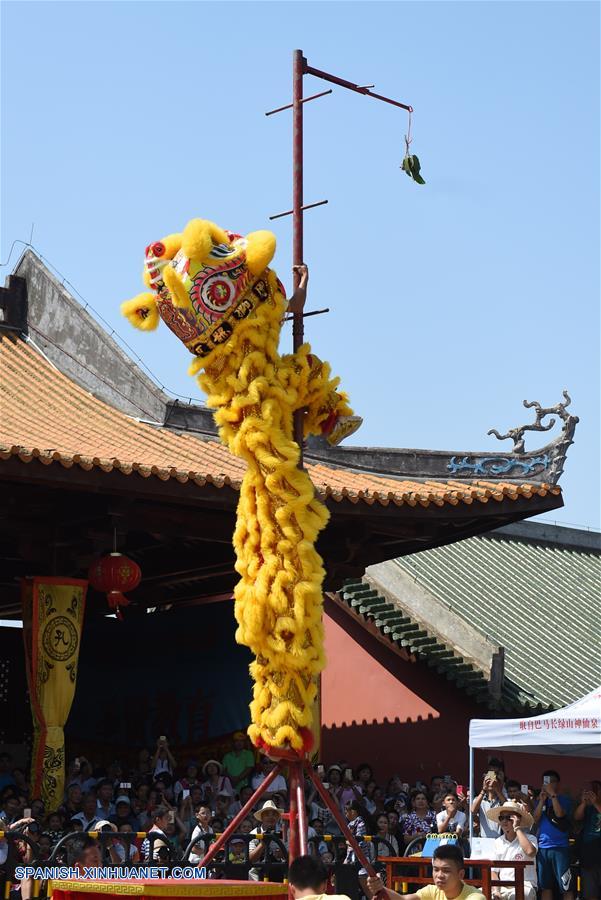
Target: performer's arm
{"points": [[297, 301], [375, 885]]}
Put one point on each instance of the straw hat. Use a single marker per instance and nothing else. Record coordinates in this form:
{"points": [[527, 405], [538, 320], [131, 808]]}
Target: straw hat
{"points": [[268, 805], [513, 807], [215, 762]]}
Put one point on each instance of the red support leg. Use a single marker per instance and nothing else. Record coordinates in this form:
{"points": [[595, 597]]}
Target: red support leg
{"points": [[293, 834], [342, 824], [297, 835], [301, 810], [231, 828]]}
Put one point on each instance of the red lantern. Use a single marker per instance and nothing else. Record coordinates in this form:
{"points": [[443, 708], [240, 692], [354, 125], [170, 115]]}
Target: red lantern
{"points": [[112, 575]]}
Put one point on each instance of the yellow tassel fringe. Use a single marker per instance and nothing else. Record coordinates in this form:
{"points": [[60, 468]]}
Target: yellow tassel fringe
{"points": [[255, 392], [278, 600]]}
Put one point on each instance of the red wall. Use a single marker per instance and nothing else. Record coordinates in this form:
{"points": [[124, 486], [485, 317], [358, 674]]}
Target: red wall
{"points": [[404, 717]]}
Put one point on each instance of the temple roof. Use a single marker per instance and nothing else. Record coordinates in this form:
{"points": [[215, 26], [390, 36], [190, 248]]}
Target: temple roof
{"points": [[39, 306], [91, 447], [510, 617], [48, 417]]}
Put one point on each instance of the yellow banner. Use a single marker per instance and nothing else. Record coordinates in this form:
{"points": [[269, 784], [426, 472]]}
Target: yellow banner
{"points": [[53, 610]]}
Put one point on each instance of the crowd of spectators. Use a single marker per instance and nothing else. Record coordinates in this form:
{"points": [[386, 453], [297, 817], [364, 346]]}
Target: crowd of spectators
{"points": [[180, 805]]}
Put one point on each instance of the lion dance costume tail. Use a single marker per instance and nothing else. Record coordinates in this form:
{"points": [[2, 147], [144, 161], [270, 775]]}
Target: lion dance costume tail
{"points": [[215, 291]]}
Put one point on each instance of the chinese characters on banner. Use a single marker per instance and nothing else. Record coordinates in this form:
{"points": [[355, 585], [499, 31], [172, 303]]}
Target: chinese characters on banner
{"points": [[53, 610], [551, 724]]}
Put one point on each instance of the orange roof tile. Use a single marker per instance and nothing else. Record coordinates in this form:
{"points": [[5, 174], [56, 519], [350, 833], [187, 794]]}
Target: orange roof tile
{"points": [[46, 416]]}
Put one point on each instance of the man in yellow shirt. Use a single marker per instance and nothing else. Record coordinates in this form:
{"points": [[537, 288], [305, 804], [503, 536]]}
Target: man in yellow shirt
{"points": [[447, 874]]}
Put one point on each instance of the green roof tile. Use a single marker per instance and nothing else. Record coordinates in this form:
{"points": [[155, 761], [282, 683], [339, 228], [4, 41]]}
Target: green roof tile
{"points": [[538, 600]]}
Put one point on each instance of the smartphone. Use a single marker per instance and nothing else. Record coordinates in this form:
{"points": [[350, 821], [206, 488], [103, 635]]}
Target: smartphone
{"points": [[163, 738], [491, 775], [547, 779], [321, 771], [125, 785], [460, 789], [348, 774], [185, 794], [171, 817], [27, 814], [524, 789]]}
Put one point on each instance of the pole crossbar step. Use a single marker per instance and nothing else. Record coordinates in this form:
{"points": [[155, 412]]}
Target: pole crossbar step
{"points": [[304, 100], [290, 212]]}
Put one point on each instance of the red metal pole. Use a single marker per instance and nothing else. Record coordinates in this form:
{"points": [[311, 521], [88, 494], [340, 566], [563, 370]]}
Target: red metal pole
{"points": [[298, 68], [293, 829], [231, 828], [302, 811]]}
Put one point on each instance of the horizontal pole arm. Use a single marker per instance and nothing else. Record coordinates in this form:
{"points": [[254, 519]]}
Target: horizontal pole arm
{"points": [[309, 70]]}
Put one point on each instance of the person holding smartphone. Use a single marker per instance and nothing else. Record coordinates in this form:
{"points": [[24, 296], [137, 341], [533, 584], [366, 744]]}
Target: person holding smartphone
{"points": [[451, 818], [490, 797], [519, 793], [163, 760], [552, 815], [186, 782], [588, 812]]}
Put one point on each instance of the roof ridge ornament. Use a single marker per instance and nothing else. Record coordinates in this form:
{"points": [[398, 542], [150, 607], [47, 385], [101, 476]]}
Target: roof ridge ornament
{"points": [[560, 409], [546, 464]]}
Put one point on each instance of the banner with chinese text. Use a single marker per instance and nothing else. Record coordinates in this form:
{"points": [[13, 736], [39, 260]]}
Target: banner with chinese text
{"points": [[53, 610]]}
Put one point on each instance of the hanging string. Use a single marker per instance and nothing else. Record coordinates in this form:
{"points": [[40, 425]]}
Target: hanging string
{"points": [[408, 138]]}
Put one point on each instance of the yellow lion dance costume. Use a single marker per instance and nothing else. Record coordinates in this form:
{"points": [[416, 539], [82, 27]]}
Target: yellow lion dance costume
{"points": [[214, 289]]}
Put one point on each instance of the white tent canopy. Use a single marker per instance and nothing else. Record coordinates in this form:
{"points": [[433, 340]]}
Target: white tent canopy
{"points": [[574, 730]]}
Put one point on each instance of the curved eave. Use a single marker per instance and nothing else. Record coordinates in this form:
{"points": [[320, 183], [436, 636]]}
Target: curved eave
{"points": [[328, 486]]}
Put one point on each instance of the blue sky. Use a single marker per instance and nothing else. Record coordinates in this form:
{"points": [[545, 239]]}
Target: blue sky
{"points": [[450, 303]]}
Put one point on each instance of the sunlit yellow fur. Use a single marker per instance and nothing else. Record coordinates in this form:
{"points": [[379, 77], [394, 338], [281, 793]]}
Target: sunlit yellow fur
{"points": [[278, 599]]}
